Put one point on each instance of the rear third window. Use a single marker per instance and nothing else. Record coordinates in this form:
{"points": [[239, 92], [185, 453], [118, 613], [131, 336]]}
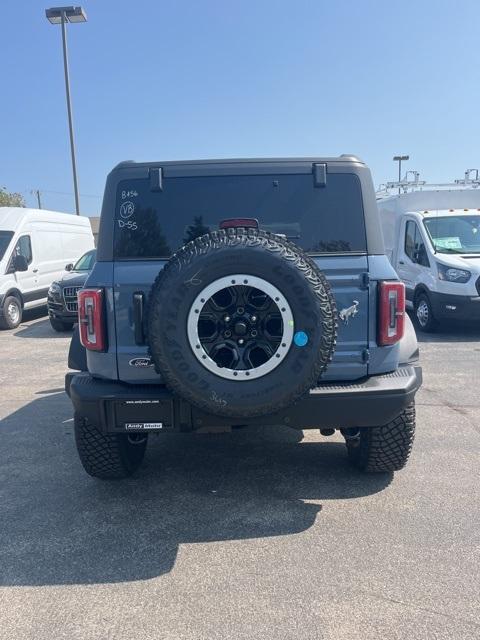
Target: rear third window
{"points": [[155, 224]]}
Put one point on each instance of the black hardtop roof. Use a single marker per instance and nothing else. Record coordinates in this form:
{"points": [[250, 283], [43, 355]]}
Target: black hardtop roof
{"points": [[157, 170], [343, 159]]}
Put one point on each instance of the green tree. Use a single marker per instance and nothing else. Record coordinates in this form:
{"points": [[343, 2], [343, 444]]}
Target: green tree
{"points": [[143, 239], [8, 199], [196, 229]]}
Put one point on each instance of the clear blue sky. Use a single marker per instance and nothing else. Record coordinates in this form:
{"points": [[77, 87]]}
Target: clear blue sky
{"points": [[222, 78]]}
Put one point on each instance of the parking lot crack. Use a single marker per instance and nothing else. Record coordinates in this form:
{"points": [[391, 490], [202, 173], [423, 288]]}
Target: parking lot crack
{"points": [[462, 410], [417, 607]]}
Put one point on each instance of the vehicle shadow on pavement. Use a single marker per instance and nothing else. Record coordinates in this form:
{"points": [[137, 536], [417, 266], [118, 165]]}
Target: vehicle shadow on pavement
{"points": [[35, 314], [59, 526], [40, 329]]}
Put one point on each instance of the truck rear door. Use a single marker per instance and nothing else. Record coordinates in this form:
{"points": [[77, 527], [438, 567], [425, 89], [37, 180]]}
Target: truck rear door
{"points": [[318, 209]]}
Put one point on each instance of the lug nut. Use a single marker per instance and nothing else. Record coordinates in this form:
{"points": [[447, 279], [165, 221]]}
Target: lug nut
{"points": [[227, 334], [253, 318], [241, 341], [226, 319], [240, 311]]}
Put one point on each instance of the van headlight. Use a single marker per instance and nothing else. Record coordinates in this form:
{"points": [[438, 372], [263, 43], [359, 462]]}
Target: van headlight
{"points": [[452, 274], [54, 289]]}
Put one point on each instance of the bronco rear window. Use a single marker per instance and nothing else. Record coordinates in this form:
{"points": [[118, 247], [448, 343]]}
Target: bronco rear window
{"points": [[155, 224]]}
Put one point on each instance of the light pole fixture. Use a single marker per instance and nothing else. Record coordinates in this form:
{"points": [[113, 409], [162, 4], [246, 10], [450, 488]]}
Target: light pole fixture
{"points": [[62, 15], [399, 160]]}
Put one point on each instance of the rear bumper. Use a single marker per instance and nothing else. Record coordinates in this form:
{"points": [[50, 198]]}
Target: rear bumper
{"points": [[116, 407], [447, 306]]}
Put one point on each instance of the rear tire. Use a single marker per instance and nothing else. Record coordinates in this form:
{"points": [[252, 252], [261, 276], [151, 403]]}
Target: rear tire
{"points": [[108, 456], [10, 313], [423, 312], [384, 449], [59, 325]]}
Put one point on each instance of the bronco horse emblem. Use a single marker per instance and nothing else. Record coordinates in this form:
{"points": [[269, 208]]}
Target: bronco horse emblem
{"points": [[349, 312]]}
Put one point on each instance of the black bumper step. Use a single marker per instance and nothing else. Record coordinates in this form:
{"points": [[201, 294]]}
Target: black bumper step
{"points": [[117, 407]]}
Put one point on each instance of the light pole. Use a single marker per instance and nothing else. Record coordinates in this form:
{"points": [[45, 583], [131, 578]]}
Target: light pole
{"points": [[62, 15], [36, 192], [399, 160]]}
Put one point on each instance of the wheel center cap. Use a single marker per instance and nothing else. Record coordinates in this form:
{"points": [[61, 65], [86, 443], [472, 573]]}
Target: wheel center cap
{"points": [[240, 328]]}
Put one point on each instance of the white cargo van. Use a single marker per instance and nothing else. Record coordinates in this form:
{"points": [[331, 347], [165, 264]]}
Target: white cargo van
{"points": [[35, 247], [432, 238]]}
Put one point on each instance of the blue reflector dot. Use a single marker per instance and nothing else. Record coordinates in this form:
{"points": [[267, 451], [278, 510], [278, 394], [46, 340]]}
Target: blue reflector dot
{"points": [[300, 338]]}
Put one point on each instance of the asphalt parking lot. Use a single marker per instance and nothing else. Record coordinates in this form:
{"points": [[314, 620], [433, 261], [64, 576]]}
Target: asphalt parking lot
{"points": [[244, 535]]}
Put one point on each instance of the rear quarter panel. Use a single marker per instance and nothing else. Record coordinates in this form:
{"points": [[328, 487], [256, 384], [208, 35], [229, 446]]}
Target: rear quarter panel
{"points": [[104, 365], [381, 359]]}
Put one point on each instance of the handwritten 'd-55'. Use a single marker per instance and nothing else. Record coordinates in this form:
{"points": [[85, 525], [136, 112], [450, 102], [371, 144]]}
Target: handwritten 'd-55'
{"points": [[131, 225]]}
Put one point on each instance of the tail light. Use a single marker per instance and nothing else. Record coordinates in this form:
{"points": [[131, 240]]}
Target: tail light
{"points": [[391, 312], [91, 319]]}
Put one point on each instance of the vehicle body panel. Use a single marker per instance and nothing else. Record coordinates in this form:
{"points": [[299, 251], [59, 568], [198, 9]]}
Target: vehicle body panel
{"points": [[346, 272], [354, 278]]}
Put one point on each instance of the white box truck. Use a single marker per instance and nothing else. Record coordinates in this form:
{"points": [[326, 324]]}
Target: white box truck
{"points": [[35, 247], [432, 238]]}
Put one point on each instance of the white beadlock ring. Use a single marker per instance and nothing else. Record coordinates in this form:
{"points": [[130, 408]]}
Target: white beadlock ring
{"points": [[240, 279]]}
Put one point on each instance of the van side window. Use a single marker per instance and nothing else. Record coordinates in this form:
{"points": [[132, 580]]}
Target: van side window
{"points": [[410, 239], [24, 248], [421, 252], [414, 244]]}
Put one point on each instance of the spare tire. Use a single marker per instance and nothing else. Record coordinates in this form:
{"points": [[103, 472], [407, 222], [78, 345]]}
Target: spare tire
{"points": [[241, 323]]}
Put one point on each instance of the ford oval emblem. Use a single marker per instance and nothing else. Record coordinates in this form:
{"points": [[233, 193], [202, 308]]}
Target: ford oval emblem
{"points": [[141, 363]]}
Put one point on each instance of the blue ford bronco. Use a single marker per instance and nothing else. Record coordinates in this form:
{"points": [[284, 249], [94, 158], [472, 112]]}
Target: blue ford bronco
{"points": [[242, 292]]}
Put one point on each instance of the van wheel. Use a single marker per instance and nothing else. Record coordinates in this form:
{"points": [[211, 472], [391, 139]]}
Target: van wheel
{"points": [[10, 313], [58, 325], [424, 314], [108, 456], [383, 449]]}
